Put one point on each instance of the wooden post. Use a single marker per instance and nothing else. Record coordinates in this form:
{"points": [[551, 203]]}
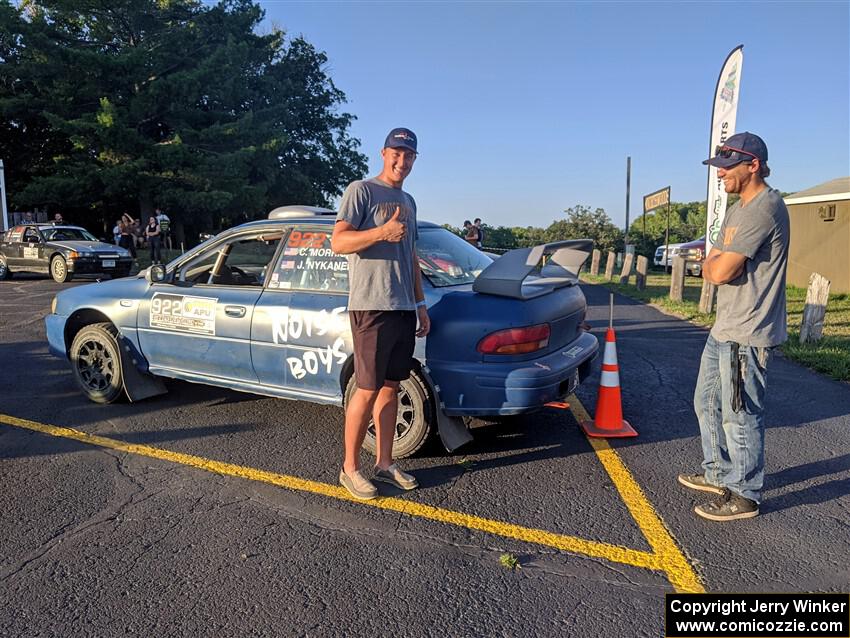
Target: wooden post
{"points": [[817, 296], [594, 262], [609, 266], [677, 280], [706, 297], [640, 275], [627, 268]]}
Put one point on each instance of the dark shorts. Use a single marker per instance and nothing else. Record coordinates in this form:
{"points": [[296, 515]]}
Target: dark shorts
{"points": [[383, 346]]}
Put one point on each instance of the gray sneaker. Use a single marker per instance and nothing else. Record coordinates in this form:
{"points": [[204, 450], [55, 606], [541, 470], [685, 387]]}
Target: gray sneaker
{"points": [[359, 486], [728, 507], [698, 482], [396, 477]]}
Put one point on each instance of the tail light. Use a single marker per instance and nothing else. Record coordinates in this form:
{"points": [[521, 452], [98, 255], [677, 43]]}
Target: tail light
{"points": [[516, 340]]}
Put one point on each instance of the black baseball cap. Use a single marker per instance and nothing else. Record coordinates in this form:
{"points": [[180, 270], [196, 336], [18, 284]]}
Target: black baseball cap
{"points": [[741, 147], [401, 138]]}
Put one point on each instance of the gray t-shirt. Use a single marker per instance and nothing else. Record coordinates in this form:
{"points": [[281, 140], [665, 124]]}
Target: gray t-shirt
{"points": [[751, 308], [381, 276]]}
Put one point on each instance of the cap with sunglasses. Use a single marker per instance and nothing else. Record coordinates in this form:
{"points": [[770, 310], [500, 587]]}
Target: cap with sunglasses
{"points": [[741, 147]]}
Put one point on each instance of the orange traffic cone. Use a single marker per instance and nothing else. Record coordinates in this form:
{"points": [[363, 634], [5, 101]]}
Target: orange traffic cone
{"points": [[609, 420]]}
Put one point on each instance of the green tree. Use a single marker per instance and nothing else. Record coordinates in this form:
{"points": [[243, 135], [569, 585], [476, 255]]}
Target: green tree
{"points": [[687, 222], [499, 237], [135, 103], [583, 223], [528, 236]]}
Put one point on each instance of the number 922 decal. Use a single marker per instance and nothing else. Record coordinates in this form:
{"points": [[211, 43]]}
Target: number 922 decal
{"points": [[180, 312]]}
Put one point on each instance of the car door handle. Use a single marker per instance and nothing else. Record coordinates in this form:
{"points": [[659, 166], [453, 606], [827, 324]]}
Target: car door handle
{"points": [[234, 311]]}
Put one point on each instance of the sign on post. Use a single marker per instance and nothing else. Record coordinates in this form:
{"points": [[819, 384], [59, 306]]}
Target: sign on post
{"points": [[656, 200]]}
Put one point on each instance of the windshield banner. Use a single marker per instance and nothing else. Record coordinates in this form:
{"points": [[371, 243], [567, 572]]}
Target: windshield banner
{"points": [[722, 127]]}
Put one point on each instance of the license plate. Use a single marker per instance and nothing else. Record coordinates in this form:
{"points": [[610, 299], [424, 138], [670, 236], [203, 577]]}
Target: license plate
{"points": [[109, 263]]}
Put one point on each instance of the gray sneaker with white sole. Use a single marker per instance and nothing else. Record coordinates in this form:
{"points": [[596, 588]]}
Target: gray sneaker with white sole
{"points": [[728, 507], [394, 476], [698, 482], [358, 485]]}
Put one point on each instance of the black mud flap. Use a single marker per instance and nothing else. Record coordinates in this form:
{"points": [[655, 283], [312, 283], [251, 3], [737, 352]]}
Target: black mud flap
{"points": [[137, 385], [453, 431]]}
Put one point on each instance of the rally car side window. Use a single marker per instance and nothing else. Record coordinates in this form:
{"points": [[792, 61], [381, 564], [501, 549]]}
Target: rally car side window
{"points": [[241, 261], [308, 263]]}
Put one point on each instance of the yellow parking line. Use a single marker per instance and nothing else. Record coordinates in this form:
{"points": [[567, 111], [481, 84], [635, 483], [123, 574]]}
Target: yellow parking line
{"points": [[613, 553], [679, 571]]}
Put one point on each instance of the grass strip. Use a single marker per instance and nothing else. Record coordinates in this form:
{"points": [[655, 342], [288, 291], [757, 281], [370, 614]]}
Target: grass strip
{"points": [[830, 355]]}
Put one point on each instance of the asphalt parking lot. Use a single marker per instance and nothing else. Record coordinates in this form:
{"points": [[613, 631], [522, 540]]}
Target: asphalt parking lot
{"points": [[217, 513]]}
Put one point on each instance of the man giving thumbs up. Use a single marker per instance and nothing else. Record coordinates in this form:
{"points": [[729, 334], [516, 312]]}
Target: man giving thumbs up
{"points": [[376, 228]]}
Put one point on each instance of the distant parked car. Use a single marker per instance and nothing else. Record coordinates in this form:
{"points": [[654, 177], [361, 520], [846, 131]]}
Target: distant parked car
{"points": [[692, 251], [661, 260], [694, 254], [61, 251]]}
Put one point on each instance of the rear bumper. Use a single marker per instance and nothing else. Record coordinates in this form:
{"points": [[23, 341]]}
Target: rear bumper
{"points": [[490, 389]]}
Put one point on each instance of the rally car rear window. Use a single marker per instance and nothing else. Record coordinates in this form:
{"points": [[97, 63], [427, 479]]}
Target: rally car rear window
{"points": [[307, 262]]}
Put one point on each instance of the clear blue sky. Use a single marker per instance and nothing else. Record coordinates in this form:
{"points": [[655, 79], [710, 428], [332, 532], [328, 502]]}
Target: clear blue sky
{"points": [[525, 109]]}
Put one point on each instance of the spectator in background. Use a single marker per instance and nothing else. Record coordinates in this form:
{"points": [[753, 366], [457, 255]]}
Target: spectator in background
{"points": [[58, 219], [470, 232], [134, 228], [477, 225], [164, 227], [152, 232], [27, 219], [116, 232], [127, 240]]}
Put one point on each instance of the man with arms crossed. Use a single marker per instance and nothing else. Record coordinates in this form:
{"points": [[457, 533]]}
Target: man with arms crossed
{"points": [[376, 228], [748, 264]]}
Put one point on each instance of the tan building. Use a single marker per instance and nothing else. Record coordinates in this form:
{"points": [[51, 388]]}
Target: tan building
{"points": [[820, 234]]}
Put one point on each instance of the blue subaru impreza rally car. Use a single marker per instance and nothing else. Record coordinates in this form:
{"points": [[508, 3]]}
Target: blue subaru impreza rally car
{"points": [[261, 308]]}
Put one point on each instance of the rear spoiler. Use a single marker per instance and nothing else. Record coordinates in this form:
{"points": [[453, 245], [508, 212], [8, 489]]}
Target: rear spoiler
{"points": [[506, 277]]}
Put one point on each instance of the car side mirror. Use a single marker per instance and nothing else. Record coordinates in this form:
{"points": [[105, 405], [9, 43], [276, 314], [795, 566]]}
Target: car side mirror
{"points": [[156, 273]]}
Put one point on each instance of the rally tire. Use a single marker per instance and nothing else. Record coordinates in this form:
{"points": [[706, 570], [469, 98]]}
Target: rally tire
{"points": [[59, 270], [416, 420], [96, 362], [5, 273]]}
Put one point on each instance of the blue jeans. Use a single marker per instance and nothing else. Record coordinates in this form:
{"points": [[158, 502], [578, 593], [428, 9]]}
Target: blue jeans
{"points": [[732, 442]]}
